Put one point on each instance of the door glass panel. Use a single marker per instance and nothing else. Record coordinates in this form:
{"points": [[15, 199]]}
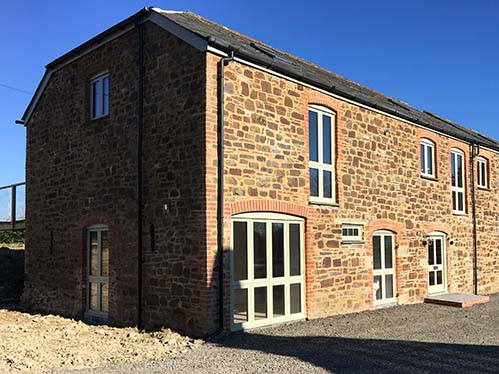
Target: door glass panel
{"points": [[260, 298], [277, 250], [314, 182], [440, 277], [240, 251], [377, 252], [295, 298], [313, 136], [278, 300], [438, 250], [104, 254], [388, 252], [260, 249], [240, 305], [378, 287], [93, 289], [294, 249], [432, 278], [431, 252], [328, 191], [104, 298], [326, 136], [389, 286], [94, 253]]}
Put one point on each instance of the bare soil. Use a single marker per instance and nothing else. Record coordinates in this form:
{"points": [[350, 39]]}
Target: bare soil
{"points": [[38, 343]]}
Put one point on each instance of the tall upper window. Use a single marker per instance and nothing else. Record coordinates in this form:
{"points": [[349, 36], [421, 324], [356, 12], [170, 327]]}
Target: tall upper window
{"points": [[427, 158], [99, 88], [457, 181], [483, 177], [321, 123]]}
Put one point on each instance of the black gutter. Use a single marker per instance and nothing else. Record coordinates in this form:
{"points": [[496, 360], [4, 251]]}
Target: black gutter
{"points": [[140, 120], [220, 206], [474, 152], [301, 76]]}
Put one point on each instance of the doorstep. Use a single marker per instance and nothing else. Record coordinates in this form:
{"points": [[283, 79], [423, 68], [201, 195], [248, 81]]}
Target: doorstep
{"points": [[457, 300]]}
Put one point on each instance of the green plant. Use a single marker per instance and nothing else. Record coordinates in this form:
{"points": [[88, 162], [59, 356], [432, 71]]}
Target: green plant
{"points": [[11, 237]]}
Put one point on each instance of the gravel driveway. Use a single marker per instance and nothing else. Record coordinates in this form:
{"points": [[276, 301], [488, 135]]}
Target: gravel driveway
{"points": [[405, 339]]}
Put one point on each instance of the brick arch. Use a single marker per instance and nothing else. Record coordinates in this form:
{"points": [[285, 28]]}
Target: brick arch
{"points": [[386, 224], [437, 226], [318, 98], [268, 206]]}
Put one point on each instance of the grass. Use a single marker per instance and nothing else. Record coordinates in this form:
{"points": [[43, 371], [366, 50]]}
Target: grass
{"points": [[19, 246]]}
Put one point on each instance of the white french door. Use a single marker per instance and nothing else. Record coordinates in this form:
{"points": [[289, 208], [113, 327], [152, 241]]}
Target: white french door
{"points": [[97, 274], [267, 270], [437, 272], [384, 283]]}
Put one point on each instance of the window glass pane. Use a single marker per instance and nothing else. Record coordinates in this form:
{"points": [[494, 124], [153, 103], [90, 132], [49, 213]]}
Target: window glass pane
{"points": [[294, 249], [439, 277], [96, 99], [92, 292], [388, 252], [105, 95], [423, 157], [389, 286], [327, 188], [314, 182], [378, 287], [104, 298], [295, 297], [454, 200], [459, 171], [429, 158], [313, 136], [105, 254], [278, 300], [377, 252], [94, 254], [240, 305], [278, 250], [260, 249], [260, 298], [460, 201], [326, 140], [438, 251], [453, 169], [240, 251], [431, 252]]}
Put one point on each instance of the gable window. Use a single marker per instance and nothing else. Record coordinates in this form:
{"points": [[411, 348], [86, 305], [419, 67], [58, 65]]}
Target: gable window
{"points": [[482, 167], [99, 89], [457, 181], [427, 158], [351, 233], [321, 122]]}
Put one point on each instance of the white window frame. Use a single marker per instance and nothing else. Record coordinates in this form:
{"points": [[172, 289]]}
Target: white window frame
{"points": [[320, 165], [250, 283], [427, 143], [383, 271], [96, 315], [455, 189], [482, 178], [104, 111], [354, 238]]}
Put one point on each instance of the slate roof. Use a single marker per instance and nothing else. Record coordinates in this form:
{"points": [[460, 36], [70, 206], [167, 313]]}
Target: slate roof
{"points": [[262, 54]]}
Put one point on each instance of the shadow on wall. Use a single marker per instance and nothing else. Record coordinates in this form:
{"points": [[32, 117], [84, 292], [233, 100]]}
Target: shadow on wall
{"points": [[11, 274], [346, 355]]}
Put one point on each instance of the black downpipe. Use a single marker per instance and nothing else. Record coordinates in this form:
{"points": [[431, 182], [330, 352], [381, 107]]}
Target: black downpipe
{"points": [[140, 120], [475, 150], [220, 205]]}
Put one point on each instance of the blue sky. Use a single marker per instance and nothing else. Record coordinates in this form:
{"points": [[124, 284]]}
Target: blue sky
{"points": [[440, 56]]}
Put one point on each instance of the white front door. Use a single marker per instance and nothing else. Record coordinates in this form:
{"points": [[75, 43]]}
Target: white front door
{"points": [[384, 268], [267, 270], [437, 273]]}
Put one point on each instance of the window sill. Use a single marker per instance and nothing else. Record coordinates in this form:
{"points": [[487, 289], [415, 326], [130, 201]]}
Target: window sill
{"points": [[460, 214], [353, 242], [325, 203], [99, 117], [481, 188], [429, 177]]}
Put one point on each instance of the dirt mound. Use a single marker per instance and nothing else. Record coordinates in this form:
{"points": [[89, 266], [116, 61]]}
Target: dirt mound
{"points": [[11, 274]]}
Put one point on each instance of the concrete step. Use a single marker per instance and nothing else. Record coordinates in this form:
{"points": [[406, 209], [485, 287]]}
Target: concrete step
{"points": [[457, 300]]}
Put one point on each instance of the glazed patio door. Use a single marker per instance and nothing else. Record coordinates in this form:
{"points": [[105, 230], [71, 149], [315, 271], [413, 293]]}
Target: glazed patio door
{"points": [[436, 264], [384, 268], [267, 270]]}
